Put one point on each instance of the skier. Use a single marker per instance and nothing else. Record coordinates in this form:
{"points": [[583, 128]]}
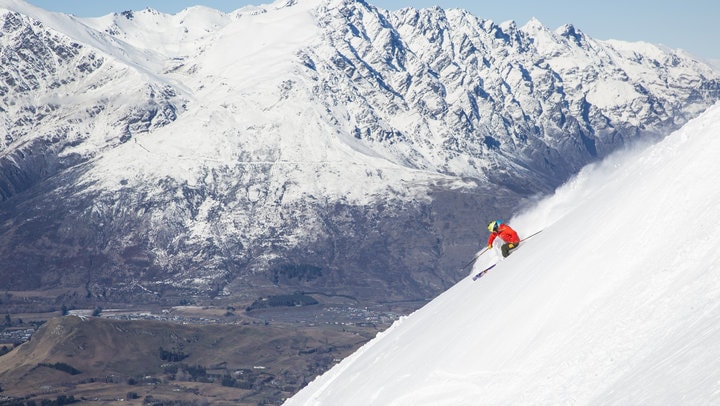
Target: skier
{"points": [[506, 234]]}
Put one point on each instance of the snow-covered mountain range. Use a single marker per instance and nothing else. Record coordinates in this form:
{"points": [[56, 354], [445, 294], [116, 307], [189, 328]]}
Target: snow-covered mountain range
{"points": [[616, 302], [309, 144]]}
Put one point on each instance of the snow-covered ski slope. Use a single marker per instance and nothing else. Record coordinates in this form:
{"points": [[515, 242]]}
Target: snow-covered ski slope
{"points": [[616, 302]]}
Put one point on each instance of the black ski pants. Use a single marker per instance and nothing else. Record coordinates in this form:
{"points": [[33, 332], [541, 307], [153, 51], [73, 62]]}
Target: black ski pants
{"points": [[507, 247]]}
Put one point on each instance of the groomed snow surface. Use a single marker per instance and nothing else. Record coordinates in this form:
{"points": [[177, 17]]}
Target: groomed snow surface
{"points": [[616, 302]]}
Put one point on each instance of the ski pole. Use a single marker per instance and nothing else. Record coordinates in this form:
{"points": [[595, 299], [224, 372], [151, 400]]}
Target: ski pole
{"points": [[531, 235], [475, 258]]}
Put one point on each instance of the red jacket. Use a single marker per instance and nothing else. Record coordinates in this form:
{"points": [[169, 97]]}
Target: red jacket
{"points": [[506, 233]]}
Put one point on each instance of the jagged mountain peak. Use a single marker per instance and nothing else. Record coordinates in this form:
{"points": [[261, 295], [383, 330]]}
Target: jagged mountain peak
{"points": [[534, 24], [172, 36], [569, 31]]}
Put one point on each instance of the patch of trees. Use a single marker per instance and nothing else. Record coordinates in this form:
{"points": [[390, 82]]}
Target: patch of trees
{"points": [[296, 271], [149, 400], [191, 373], [248, 380], [59, 401], [172, 356], [296, 299], [61, 366], [65, 310]]}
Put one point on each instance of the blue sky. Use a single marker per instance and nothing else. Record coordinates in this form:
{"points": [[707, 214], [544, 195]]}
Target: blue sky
{"points": [[693, 25]]}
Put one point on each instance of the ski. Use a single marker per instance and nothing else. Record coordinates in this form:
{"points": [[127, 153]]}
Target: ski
{"points": [[479, 275]]}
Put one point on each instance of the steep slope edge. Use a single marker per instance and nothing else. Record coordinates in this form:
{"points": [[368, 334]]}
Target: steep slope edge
{"points": [[625, 311]]}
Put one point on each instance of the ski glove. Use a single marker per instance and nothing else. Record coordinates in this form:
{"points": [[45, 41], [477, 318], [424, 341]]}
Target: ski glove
{"points": [[511, 245]]}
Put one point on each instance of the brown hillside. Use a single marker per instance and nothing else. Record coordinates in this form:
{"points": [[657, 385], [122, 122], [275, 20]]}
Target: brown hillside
{"points": [[96, 357]]}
